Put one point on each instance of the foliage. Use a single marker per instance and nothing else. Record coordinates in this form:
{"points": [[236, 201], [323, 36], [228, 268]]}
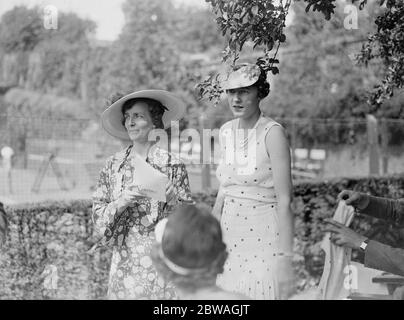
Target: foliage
{"points": [[197, 31], [319, 78], [263, 23], [20, 29], [259, 21], [62, 58], [60, 233], [156, 49], [321, 83], [41, 59], [315, 201], [144, 55], [57, 234], [159, 47], [387, 44]]}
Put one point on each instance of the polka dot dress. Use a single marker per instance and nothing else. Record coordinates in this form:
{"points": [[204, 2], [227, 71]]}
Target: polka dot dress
{"points": [[249, 219]]}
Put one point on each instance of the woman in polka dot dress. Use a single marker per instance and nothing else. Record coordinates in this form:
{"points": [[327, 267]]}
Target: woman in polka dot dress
{"points": [[254, 198]]}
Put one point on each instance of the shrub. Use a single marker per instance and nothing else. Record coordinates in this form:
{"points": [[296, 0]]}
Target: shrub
{"points": [[60, 233], [314, 201], [52, 234]]}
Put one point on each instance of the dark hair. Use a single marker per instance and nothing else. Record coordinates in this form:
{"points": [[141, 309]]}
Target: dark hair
{"points": [[192, 239], [155, 107], [261, 84], [114, 97]]}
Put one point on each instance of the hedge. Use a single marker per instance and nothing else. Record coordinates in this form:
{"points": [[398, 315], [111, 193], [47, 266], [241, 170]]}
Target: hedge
{"points": [[60, 233]]}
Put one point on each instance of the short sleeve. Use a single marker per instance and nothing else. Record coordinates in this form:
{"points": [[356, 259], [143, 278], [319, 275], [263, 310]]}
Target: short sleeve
{"points": [[104, 209]]}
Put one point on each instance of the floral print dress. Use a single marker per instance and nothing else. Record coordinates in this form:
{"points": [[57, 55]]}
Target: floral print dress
{"points": [[131, 233]]}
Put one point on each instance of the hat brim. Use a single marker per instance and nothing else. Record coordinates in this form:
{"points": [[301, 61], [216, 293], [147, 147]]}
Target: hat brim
{"points": [[112, 117], [238, 83], [243, 77]]}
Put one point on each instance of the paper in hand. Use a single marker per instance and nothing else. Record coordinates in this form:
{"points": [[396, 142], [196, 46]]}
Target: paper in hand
{"points": [[151, 182]]}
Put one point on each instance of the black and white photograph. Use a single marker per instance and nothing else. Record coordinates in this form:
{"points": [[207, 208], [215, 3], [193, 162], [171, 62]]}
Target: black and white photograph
{"points": [[222, 151]]}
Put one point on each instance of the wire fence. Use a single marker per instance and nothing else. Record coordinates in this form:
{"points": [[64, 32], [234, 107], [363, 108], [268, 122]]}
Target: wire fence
{"points": [[60, 159]]}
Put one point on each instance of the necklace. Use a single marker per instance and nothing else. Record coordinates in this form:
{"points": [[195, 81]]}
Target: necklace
{"points": [[245, 138]]}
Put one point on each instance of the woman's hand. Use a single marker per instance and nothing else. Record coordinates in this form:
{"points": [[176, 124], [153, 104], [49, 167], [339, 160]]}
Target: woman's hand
{"points": [[353, 198], [170, 192], [218, 206], [286, 278], [128, 197], [217, 209]]}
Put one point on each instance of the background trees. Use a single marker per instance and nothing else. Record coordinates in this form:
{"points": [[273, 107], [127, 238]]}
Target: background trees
{"points": [[263, 23], [170, 47]]}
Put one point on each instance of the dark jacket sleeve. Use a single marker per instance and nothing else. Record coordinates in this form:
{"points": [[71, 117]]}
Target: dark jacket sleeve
{"points": [[386, 209], [383, 257]]}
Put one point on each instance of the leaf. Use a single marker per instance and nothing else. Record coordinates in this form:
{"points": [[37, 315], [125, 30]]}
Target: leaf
{"points": [[308, 7]]}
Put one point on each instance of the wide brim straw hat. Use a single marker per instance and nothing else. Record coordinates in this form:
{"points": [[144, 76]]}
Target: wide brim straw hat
{"points": [[112, 117], [245, 76]]}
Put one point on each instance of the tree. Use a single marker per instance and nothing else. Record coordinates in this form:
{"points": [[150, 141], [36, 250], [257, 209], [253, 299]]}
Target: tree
{"points": [[144, 55], [263, 22], [63, 54], [155, 50], [198, 31], [316, 72], [20, 29], [387, 44], [41, 59]]}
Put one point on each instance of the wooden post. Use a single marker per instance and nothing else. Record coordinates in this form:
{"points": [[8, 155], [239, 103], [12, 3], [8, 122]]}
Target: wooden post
{"points": [[384, 145], [293, 141], [373, 145], [205, 168]]}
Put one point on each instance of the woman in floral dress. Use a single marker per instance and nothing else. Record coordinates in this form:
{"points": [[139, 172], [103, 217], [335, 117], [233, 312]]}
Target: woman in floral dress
{"points": [[121, 213]]}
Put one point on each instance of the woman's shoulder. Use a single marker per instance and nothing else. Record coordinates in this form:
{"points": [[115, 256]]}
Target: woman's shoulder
{"points": [[268, 122], [120, 155], [117, 157], [272, 129]]}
